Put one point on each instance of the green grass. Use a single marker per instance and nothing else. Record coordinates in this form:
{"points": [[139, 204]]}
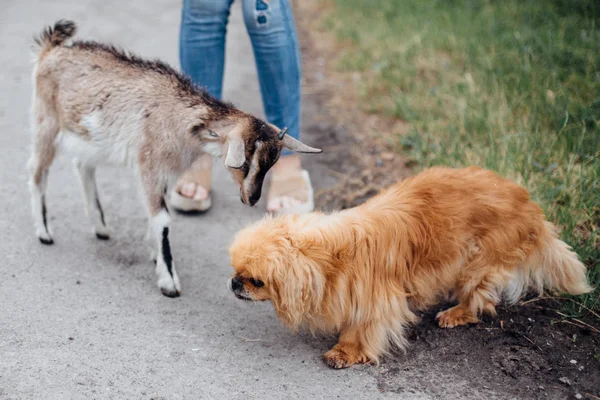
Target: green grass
{"points": [[513, 86]]}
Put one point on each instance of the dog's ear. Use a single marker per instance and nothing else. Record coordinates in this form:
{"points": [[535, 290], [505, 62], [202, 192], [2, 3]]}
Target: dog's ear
{"points": [[298, 287]]}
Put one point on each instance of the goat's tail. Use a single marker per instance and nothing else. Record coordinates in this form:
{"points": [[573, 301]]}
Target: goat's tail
{"points": [[553, 266], [56, 35]]}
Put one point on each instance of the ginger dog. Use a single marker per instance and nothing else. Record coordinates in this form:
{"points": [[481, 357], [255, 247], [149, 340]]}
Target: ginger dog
{"points": [[467, 234]]}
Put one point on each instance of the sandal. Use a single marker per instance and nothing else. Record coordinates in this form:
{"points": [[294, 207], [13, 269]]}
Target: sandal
{"points": [[291, 192]]}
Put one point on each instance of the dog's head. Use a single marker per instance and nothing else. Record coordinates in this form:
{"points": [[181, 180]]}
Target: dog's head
{"points": [[251, 147], [271, 265]]}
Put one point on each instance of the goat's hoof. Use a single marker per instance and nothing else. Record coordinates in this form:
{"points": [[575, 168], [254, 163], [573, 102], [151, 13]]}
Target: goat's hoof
{"points": [[102, 232], [169, 285], [102, 236], [44, 237], [46, 240], [172, 293]]}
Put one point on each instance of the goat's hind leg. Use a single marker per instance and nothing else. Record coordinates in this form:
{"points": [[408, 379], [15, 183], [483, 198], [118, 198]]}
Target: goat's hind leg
{"points": [[42, 155], [93, 208]]}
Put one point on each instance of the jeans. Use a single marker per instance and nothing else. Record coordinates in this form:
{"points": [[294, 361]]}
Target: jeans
{"points": [[272, 31]]}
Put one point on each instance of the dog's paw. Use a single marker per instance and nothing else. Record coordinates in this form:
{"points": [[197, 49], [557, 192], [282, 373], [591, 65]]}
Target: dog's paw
{"points": [[455, 316], [337, 358]]}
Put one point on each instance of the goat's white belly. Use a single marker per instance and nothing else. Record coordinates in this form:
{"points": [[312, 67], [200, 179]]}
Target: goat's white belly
{"points": [[94, 151]]}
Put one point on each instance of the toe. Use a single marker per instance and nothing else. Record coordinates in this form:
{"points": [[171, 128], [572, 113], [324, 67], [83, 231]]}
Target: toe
{"points": [[454, 317], [188, 189], [287, 202], [295, 202], [274, 204], [201, 193], [336, 363], [444, 321], [336, 359], [283, 203]]}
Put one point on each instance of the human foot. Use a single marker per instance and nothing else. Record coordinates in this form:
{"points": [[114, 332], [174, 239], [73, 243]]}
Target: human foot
{"points": [[291, 190], [192, 192]]}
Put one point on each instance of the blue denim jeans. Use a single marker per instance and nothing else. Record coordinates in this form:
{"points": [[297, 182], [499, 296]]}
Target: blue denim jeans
{"points": [[272, 31]]}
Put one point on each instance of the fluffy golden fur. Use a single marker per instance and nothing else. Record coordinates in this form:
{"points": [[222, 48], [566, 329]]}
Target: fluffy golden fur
{"points": [[467, 234]]}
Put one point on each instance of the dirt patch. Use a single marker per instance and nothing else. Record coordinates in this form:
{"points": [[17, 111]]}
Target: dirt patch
{"points": [[526, 352]]}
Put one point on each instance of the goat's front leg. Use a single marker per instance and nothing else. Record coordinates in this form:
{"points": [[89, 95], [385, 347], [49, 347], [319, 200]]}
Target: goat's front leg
{"points": [[160, 219]]}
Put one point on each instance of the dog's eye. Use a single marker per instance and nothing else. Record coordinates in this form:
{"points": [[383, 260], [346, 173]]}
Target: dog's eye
{"points": [[256, 282]]}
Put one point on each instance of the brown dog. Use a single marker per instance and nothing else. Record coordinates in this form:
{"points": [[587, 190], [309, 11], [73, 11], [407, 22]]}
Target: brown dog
{"points": [[363, 272]]}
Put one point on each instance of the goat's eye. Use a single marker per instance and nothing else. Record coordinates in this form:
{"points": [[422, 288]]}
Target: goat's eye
{"points": [[213, 134], [256, 282]]}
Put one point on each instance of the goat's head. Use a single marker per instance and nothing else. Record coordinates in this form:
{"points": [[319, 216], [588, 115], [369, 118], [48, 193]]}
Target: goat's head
{"points": [[251, 148]]}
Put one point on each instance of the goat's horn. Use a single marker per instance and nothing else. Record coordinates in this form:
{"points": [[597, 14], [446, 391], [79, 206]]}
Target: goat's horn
{"points": [[282, 133]]}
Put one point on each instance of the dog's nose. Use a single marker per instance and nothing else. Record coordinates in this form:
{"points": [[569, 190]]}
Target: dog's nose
{"points": [[236, 285]]}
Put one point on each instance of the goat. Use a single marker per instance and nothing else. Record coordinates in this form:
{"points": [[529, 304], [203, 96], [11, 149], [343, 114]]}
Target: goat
{"points": [[106, 106]]}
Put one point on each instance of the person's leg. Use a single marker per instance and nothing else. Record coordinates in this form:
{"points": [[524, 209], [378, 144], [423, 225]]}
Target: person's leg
{"points": [[202, 57], [270, 24], [202, 42]]}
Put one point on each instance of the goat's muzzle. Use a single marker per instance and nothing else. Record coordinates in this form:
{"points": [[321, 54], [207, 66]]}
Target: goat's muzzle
{"points": [[249, 200]]}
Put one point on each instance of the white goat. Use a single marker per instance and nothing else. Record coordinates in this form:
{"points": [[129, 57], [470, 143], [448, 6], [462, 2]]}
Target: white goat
{"points": [[104, 105]]}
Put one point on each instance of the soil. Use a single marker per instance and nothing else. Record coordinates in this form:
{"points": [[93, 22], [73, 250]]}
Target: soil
{"points": [[529, 351]]}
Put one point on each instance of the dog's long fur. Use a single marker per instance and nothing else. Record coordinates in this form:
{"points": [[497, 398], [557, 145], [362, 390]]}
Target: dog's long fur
{"points": [[467, 234]]}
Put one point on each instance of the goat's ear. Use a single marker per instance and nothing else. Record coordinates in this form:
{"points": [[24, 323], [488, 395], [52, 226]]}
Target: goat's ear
{"points": [[230, 131], [236, 150], [296, 145]]}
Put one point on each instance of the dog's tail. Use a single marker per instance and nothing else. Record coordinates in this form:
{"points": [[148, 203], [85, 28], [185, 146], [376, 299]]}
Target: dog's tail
{"points": [[553, 267], [56, 35]]}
